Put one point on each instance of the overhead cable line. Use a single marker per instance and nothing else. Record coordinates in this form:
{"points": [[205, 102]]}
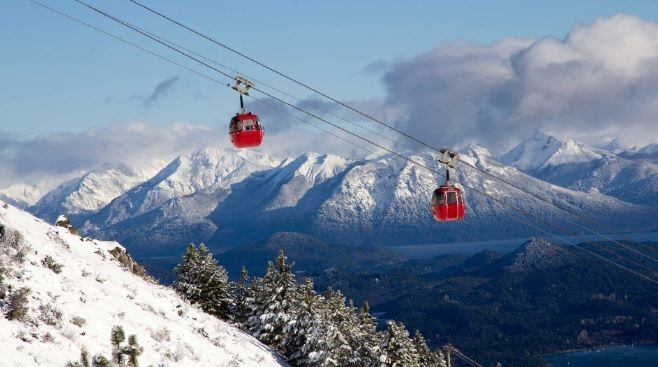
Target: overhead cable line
{"points": [[164, 58], [403, 133], [375, 144]]}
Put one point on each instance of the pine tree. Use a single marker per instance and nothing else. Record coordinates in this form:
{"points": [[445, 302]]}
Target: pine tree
{"points": [[370, 350], [117, 337], [327, 344], [100, 361], [240, 296], [202, 280], [426, 357], [84, 358], [400, 350], [133, 350], [274, 306], [303, 324]]}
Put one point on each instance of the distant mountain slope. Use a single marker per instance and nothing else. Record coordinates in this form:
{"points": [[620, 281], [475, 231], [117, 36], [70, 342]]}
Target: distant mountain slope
{"points": [[541, 298], [310, 254], [77, 305], [228, 198], [576, 166], [23, 195], [90, 192]]}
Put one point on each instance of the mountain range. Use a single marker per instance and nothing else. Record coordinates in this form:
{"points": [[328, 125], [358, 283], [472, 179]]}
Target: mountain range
{"points": [[228, 198]]}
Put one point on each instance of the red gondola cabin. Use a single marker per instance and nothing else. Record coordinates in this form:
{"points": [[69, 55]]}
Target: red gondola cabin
{"points": [[448, 203], [246, 131]]}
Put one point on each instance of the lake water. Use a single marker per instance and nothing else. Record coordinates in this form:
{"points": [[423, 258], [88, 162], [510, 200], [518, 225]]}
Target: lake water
{"points": [[505, 246], [632, 356]]}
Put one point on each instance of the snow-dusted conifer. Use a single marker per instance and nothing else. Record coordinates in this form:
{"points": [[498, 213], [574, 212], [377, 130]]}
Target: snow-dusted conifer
{"points": [[327, 345], [400, 350], [369, 351], [240, 296], [202, 280], [275, 306], [303, 324], [426, 357], [117, 337]]}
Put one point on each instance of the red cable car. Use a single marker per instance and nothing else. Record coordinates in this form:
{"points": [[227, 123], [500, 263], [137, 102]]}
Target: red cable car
{"points": [[448, 200], [448, 203], [245, 130]]}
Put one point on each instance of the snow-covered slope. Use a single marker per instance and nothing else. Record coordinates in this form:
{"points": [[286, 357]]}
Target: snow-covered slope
{"points": [[78, 307], [92, 191]]}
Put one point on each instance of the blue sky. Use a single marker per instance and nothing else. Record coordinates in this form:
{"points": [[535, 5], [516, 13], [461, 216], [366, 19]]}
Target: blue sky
{"points": [[59, 76]]}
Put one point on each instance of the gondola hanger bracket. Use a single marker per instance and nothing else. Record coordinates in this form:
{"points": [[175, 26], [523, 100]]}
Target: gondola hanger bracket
{"points": [[449, 158], [242, 85]]}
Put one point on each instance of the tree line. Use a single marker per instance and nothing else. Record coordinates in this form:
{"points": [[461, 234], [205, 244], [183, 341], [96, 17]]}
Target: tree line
{"points": [[307, 328]]}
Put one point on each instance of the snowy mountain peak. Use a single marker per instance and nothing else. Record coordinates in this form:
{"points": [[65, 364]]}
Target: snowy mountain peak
{"points": [[649, 149], [206, 169], [92, 191], [77, 291], [542, 150], [533, 152], [573, 151], [317, 167], [23, 195]]}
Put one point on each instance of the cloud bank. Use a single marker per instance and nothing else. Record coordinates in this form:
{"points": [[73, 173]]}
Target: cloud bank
{"points": [[598, 82]]}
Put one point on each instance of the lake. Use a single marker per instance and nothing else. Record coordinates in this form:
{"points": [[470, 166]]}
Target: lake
{"points": [[635, 356], [504, 246]]}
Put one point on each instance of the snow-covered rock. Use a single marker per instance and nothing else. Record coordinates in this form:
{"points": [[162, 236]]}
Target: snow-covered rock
{"points": [[91, 293]]}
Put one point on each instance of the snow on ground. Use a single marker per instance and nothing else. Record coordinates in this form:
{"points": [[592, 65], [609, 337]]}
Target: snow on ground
{"points": [[92, 294]]}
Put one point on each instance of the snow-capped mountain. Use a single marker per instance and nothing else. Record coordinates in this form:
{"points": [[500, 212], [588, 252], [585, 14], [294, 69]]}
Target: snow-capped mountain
{"points": [[226, 199], [180, 196], [23, 195], [92, 191], [576, 166], [77, 292], [540, 151]]}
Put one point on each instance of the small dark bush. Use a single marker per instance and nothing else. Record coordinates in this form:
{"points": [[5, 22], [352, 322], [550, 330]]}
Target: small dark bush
{"points": [[50, 315], [101, 361], [51, 264], [17, 307], [78, 321]]}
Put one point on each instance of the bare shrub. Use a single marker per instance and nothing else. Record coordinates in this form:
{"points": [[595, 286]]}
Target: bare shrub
{"points": [[51, 264], [161, 335], [50, 315], [14, 245]]}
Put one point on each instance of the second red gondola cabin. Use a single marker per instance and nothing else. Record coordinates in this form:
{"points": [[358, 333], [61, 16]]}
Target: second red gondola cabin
{"points": [[448, 203]]}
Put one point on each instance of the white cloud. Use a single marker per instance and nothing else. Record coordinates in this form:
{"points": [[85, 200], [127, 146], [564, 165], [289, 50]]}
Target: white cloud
{"points": [[600, 81]]}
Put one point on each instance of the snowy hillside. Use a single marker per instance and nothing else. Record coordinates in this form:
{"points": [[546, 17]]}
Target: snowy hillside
{"points": [[92, 191], [78, 292]]}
